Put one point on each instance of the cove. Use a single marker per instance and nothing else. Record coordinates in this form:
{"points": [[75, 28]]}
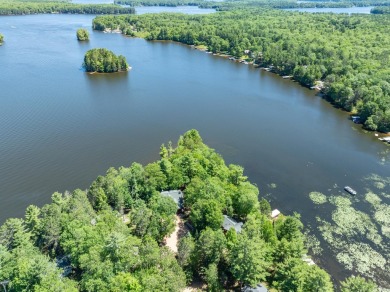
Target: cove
{"points": [[61, 127]]}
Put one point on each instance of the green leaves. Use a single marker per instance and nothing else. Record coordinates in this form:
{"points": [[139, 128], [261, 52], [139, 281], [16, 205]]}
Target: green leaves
{"points": [[358, 284], [296, 275], [82, 34], [104, 61], [206, 214], [250, 260]]}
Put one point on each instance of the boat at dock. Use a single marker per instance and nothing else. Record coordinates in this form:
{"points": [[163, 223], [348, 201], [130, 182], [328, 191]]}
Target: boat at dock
{"points": [[350, 190], [356, 119]]}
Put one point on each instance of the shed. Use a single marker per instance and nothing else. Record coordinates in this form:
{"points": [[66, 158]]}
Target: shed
{"points": [[176, 195], [231, 223], [275, 213]]}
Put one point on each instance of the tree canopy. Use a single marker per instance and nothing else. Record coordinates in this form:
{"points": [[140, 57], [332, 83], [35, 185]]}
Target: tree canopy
{"points": [[20, 7], [111, 236], [358, 284], [82, 34], [104, 61]]}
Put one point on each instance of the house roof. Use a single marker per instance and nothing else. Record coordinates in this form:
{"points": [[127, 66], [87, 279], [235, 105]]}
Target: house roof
{"points": [[258, 288], [275, 213], [231, 223], [176, 195]]}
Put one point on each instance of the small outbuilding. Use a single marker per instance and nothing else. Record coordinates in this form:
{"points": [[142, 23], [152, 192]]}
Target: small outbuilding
{"points": [[275, 213], [177, 196], [231, 223]]}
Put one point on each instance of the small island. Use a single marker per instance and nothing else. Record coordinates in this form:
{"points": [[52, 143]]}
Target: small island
{"points": [[1, 39], [82, 34], [104, 61]]}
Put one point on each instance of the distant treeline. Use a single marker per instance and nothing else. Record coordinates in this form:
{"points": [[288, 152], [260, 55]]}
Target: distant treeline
{"points": [[283, 5], [381, 10], [170, 3], [350, 54], [229, 5], [19, 8]]}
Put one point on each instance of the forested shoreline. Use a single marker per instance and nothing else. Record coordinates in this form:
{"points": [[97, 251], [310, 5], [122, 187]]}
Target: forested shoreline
{"points": [[340, 50], [229, 5], [104, 61], [110, 237], [381, 10], [19, 7], [23, 8]]}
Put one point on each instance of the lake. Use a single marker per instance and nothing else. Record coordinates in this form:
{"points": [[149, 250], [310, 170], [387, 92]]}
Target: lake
{"points": [[348, 10], [155, 9], [178, 9], [60, 128]]}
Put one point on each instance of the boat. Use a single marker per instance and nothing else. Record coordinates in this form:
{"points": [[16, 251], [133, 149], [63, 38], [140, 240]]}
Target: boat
{"points": [[385, 139], [350, 190], [356, 119]]}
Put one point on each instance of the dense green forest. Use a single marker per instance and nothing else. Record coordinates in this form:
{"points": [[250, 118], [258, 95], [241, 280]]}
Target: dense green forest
{"points": [[229, 5], [104, 61], [37, 7], [350, 54], [82, 34], [171, 3], [381, 10], [110, 237]]}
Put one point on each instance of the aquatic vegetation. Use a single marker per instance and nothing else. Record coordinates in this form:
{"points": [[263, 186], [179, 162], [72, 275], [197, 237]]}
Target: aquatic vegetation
{"points": [[318, 198], [339, 201], [351, 222], [386, 231], [382, 215], [374, 237], [379, 185], [272, 185], [362, 258], [373, 199], [378, 181], [359, 239], [313, 244], [326, 229]]}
